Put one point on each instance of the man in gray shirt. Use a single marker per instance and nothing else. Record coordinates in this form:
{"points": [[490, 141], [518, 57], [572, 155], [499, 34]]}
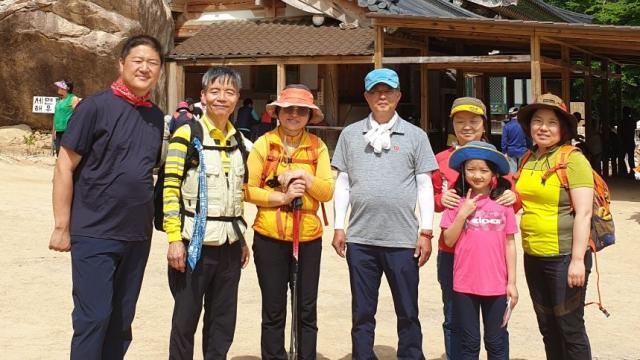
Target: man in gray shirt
{"points": [[384, 165]]}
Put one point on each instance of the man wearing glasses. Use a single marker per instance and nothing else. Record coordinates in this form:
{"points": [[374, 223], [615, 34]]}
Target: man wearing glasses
{"points": [[384, 165]]}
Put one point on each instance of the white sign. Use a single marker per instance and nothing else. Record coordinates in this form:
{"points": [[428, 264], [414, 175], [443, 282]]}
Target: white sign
{"points": [[44, 104]]}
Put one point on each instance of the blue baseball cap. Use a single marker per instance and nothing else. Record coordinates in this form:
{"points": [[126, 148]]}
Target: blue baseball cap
{"points": [[384, 75]]}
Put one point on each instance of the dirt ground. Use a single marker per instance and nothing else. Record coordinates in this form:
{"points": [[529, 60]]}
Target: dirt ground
{"points": [[35, 291]]}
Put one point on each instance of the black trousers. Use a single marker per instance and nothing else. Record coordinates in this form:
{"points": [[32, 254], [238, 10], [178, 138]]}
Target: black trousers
{"points": [[559, 308], [274, 264], [215, 279]]}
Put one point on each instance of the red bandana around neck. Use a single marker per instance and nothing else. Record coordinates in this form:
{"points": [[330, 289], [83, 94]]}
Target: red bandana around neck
{"points": [[120, 89]]}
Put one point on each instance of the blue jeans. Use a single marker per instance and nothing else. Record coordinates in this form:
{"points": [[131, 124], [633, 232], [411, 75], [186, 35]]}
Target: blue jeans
{"points": [[496, 338], [445, 278], [366, 265], [107, 276]]}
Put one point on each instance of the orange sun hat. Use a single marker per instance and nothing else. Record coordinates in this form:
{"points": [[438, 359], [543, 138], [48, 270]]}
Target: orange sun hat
{"points": [[296, 96]]}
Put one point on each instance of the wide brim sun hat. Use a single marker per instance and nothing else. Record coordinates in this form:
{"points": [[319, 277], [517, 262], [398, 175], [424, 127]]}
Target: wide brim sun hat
{"points": [[296, 97], [550, 102], [478, 150]]}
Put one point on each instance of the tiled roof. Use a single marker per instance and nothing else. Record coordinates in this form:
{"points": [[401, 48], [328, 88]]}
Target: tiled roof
{"points": [[279, 37], [538, 10], [416, 7]]}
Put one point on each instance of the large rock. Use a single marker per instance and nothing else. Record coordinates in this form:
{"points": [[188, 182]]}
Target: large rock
{"points": [[14, 134], [46, 40]]}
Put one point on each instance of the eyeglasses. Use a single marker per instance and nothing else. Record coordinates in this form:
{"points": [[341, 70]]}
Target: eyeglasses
{"points": [[386, 93], [296, 110]]}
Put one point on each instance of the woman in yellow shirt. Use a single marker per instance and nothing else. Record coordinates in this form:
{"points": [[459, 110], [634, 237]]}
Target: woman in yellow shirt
{"points": [[284, 164]]}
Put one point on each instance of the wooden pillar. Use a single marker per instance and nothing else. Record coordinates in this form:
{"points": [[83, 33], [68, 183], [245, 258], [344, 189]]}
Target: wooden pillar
{"points": [[175, 85], [486, 99], [378, 51], [606, 122], [270, 8], [424, 91], [588, 122], [281, 78], [618, 116], [511, 98], [331, 94], [460, 83], [536, 73], [566, 75]]}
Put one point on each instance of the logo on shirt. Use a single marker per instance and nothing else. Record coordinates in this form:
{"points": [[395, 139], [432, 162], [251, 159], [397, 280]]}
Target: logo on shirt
{"points": [[396, 148], [484, 220]]}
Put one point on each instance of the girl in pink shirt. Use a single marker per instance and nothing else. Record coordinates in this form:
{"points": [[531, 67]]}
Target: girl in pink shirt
{"points": [[484, 269]]}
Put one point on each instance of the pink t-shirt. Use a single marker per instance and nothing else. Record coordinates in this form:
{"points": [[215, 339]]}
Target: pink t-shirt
{"points": [[480, 263]]}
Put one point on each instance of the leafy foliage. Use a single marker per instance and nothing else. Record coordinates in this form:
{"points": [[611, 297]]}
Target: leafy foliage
{"points": [[613, 12]]}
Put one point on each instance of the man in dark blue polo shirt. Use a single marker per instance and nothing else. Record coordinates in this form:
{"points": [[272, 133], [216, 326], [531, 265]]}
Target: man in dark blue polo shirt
{"points": [[103, 201]]}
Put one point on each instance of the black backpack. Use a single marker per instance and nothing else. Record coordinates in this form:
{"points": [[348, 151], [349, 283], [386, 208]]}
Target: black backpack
{"points": [[191, 160]]}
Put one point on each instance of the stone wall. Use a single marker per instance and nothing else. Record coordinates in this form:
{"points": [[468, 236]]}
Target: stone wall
{"points": [[44, 41]]}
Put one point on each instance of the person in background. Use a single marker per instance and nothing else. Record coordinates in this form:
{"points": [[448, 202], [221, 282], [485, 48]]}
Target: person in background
{"points": [[247, 119], [514, 141], [267, 123], [64, 108], [627, 134], [555, 227], [103, 201], [181, 116]]}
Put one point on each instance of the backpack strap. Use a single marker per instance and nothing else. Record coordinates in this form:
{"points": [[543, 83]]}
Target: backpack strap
{"points": [[560, 169], [524, 159], [245, 154], [272, 160]]}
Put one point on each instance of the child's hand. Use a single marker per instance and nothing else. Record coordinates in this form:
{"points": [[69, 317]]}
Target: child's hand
{"points": [[469, 205], [512, 292]]}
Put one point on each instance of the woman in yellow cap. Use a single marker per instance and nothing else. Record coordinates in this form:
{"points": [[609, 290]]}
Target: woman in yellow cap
{"points": [[284, 164]]}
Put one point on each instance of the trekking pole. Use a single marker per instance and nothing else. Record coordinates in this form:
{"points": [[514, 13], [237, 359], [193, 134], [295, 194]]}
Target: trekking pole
{"points": [[293, 345]]}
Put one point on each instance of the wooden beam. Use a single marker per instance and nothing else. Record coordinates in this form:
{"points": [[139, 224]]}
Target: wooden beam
{"points": [[456, 59], [424, 91], [536, 72], [396, 42], [274, 60], [281, 78], [248, 5], [378, 51], [570, 46], [499, 26], [566, 75]]}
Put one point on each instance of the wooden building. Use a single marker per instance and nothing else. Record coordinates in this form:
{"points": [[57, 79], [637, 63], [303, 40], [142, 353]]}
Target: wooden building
{"points": [[440, 50]]}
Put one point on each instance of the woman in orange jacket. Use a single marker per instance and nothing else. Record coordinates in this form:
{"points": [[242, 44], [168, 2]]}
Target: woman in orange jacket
{"points": [[284, 164]]}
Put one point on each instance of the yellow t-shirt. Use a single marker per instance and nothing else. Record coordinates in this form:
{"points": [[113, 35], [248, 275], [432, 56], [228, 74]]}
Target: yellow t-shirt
{"points": [[547, 221]]}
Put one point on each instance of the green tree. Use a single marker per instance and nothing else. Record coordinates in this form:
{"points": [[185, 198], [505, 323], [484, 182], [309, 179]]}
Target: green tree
{"points": [[613, 12]]}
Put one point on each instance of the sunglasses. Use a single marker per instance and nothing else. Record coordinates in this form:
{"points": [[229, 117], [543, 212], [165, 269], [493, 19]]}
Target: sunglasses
{"points": [[296, 110]]}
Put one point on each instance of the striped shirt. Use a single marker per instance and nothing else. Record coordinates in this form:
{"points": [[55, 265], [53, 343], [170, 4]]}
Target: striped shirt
{"points": [[174, 168]]}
